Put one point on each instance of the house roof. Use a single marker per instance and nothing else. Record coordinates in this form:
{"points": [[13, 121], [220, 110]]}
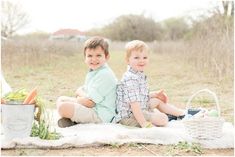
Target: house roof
{"points": [[68, 32]]}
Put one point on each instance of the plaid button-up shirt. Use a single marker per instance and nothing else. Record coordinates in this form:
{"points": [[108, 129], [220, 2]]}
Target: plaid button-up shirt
{"points": [[132, 88]]}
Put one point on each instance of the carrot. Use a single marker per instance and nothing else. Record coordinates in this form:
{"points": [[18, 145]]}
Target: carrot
{"points": [[30, 99], [3, 101]]}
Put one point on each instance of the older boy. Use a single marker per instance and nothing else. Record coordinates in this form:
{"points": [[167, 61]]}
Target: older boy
{"points": [[135, 106], [95, 101]]}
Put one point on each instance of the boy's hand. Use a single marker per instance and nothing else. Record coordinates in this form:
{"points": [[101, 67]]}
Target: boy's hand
{"points": [[162, 96], [85, 102]]}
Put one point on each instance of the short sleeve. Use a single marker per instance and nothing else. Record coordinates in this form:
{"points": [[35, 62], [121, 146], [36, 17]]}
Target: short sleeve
{"points": [[131, 90]]}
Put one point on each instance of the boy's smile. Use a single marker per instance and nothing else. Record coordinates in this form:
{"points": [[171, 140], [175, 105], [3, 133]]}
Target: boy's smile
{"points": [[138, 60], [95, 58]]}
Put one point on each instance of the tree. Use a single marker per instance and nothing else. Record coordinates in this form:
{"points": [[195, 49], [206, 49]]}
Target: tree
{"points": [[226, 6], [13, 18], [175, 28], [130, 27]]}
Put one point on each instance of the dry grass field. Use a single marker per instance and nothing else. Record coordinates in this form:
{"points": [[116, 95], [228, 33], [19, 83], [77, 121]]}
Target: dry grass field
{"points": [[58, 68]]}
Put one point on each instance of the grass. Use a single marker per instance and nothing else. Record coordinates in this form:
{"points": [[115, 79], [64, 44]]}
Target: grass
{"points": [[184, 148], [172, 150]]}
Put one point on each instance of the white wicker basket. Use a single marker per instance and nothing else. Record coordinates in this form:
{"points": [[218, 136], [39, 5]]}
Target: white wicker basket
{"points": [[204, 127]]}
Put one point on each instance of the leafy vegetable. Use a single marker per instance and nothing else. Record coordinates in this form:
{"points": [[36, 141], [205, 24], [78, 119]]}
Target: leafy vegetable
{"points": [[16, 96], [42, 130]]}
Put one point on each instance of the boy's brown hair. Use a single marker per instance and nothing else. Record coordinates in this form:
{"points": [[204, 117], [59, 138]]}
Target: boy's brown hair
{"points": [[135, 45], [96, 41]]}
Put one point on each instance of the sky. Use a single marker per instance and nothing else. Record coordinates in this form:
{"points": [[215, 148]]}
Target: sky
{"points": [[52, 15]]}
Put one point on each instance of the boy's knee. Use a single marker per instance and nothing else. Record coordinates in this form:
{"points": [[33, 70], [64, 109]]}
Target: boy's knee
{"points": [[155, 102], [164, 119], [61, 108], [60, 101], [65, 110], [160, 120]]}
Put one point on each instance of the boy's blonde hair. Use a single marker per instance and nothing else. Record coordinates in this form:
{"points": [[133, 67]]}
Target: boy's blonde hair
{"points": [[135, 45], [96, 41]]}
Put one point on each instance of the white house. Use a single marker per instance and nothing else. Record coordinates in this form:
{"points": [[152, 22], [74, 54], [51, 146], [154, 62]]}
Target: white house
{"points": [[68, 35]]}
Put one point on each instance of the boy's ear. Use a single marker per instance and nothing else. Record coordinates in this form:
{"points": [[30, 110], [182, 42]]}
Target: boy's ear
{"points": [[107, 57], [127, 60]]}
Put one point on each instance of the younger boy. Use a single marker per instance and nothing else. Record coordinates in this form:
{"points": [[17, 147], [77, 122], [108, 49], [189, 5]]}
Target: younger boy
{"points": [[135, 106], [95, 101]]}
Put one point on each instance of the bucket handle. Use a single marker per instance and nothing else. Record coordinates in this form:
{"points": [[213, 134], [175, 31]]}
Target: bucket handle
{"points": [[208, 91]]}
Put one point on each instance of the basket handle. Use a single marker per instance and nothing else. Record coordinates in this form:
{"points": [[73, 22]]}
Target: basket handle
{"points": [[208, 91]]}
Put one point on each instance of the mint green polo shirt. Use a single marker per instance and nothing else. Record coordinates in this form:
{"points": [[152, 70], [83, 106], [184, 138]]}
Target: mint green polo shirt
{"points": [[100, 86]]}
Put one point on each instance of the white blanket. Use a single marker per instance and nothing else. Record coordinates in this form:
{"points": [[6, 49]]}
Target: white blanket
{"points": [[83, 135]]}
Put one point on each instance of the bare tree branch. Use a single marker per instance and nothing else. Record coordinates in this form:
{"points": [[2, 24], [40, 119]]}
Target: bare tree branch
{"points": [[13, 18]]}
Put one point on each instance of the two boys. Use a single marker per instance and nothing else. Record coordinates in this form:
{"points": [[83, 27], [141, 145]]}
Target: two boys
{"points": [[97, 100]]}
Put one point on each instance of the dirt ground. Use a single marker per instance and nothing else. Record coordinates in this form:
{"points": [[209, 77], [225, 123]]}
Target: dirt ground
{"points": [[124, 150]]}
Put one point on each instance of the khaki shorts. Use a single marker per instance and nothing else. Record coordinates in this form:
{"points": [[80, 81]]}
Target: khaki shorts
{"points": [[84, 114], [132, 121]]}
